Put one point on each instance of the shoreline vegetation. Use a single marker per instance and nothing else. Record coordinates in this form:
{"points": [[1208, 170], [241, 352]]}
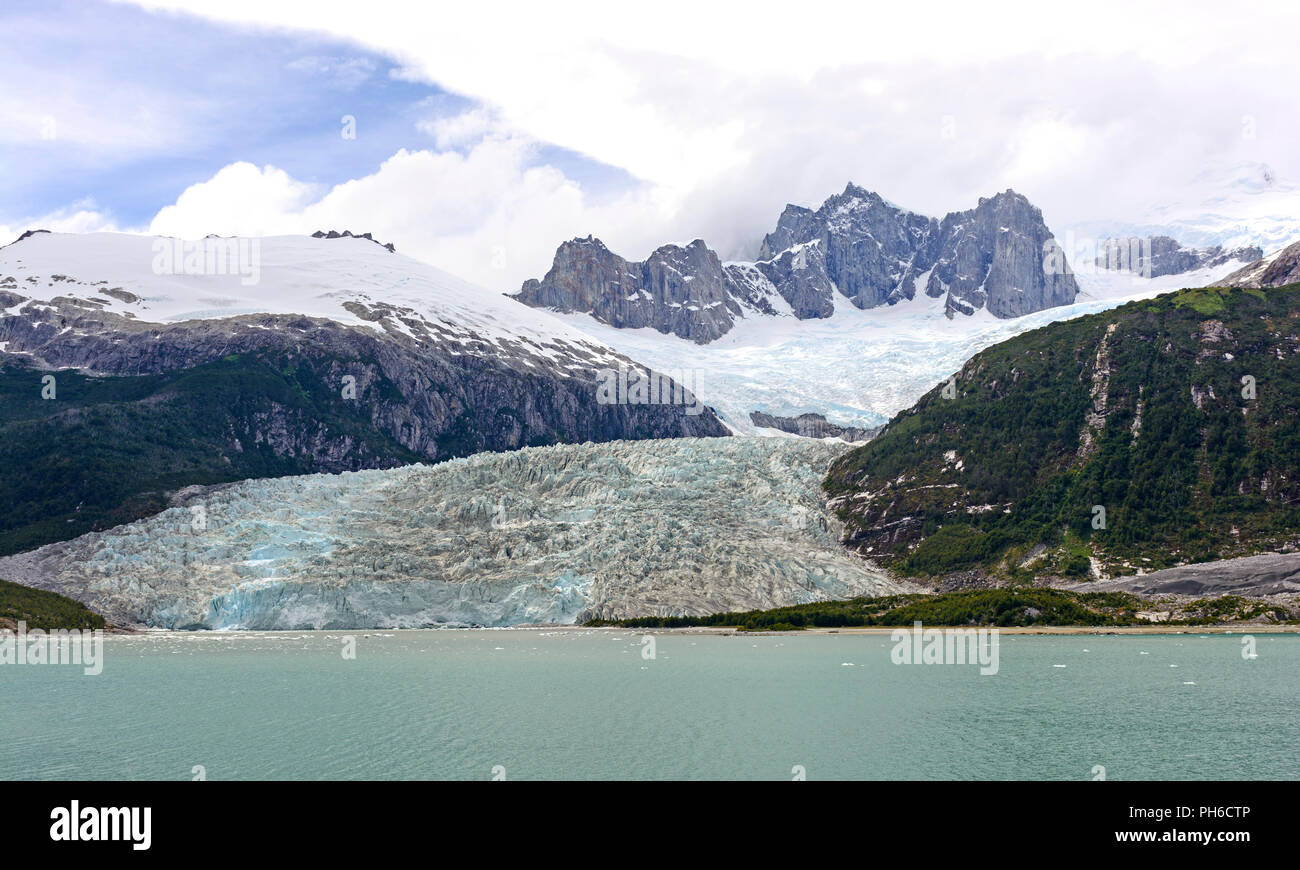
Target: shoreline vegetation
{"points": [[43, 610], [1036, 608], [1014, 610]]}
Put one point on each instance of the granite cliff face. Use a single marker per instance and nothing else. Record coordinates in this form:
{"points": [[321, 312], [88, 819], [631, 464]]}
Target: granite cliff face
{"points": [[870, 250], [685, 291], [1000, 256], [1155, 256], [857, 247]]}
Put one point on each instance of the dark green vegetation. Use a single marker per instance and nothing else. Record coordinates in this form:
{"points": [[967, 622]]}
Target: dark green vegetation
{"points": [[1141, 410], [1232, 608], [107, 450], [43, 610], [1004, 607]]}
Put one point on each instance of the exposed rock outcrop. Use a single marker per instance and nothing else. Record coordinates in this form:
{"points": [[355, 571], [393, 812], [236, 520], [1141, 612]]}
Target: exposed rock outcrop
{"points": [[1155, 256], [811, 426], [347, 234], [1276, 270], [26, 235], [856, 247], [684, 291], [869, 249], [1000, 256], [1253, 576]]}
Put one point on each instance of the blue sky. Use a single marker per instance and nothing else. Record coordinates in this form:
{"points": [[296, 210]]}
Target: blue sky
{"points": [[489, 133], [222, 94]]}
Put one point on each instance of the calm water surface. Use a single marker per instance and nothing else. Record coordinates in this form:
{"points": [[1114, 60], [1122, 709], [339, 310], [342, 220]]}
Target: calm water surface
{"points": [[587, 705]]}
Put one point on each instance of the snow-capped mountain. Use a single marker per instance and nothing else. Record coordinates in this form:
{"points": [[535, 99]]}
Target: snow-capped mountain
{"points": [[851, 309], [115, 303], [1242, 205], [350, 280], [859, 367], [172, 363], [1157, 256], [990, 257], [1276, 270], [857, 248]]}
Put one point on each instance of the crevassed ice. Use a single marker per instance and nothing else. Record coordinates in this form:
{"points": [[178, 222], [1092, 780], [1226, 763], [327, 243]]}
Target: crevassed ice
{"points": [[540, 535]]}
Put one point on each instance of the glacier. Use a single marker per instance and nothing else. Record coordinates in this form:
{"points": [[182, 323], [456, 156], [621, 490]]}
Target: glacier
{"points": [[858, 367], [555, 535]]}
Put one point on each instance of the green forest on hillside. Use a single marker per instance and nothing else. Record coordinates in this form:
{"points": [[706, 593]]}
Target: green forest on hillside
{"points": [[44, 610], [107, 450], [1005, 478]]}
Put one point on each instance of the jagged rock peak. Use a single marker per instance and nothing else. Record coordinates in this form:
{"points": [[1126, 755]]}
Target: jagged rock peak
{"points": [[681, 290], [857, 246], [348, 234]]}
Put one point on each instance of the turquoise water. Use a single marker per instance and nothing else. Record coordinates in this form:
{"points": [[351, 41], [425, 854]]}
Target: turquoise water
{"points": [[587, 705]]}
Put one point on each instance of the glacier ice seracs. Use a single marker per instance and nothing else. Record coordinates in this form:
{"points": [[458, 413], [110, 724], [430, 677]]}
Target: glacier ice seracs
{"points": [[540, 535]]}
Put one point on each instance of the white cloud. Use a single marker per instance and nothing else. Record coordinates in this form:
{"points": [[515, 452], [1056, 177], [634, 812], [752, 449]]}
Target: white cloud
{"points": [[82, 217], [59, 114], [239, 200], [346, 73], [457, 131], [488, 215], [1103, 114]]}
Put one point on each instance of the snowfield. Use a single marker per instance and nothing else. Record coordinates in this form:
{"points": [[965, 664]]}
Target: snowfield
{"points": [[858, 367], [150, 279], [540, 535]]}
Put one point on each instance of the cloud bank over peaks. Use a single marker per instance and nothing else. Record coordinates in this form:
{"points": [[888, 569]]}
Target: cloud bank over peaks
{"points": [[489, 214]]}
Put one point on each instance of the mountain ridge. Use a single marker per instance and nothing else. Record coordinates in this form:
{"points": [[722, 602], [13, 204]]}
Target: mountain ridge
{"points": [[124, 383], [1159, 255], [1278, 269], [856, 247]]}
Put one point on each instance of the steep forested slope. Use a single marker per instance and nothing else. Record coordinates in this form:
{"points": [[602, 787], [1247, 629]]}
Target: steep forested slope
{"points": [[1160, 433], [37, 608]]}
